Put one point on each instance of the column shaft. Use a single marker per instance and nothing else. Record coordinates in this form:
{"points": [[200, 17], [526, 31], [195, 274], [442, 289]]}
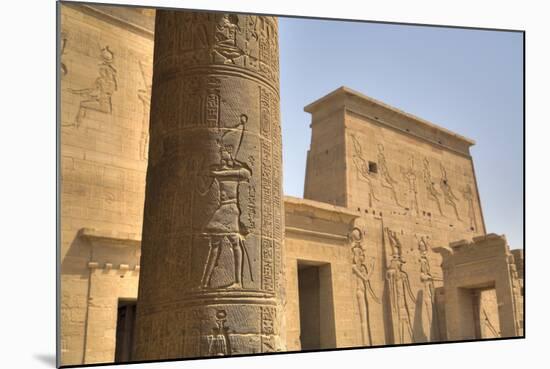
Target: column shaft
{"points": [[212, 258]]}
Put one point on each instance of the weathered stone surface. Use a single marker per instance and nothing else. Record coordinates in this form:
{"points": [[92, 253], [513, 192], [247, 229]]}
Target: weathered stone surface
{"points": [[105, 70], [376, 222], [483, 291], [211, 277]]}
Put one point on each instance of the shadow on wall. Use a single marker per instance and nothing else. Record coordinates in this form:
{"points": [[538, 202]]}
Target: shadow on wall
{"points": [[418, 329], [75, 261]]}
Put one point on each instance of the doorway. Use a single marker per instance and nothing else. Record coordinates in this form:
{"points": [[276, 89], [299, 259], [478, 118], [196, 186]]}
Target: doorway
{"points": [[126, 318], [317, 330]]}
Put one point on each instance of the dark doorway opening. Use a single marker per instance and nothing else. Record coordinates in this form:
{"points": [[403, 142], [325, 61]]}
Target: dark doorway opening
{"points": [[317, 328], [125, 330]]}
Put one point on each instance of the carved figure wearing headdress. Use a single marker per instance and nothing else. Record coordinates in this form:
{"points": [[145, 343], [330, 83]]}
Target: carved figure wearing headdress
{"points": [[224, 226], [98, 98], [432, 192], [362, 168], [226, 38], [387, 180], [362, 284]]}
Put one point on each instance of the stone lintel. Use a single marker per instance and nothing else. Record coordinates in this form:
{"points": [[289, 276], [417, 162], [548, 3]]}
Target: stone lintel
{"points": [[314, 219], [324, 235], [489, 237], [458, 244], [320, 209], [480, 249]]}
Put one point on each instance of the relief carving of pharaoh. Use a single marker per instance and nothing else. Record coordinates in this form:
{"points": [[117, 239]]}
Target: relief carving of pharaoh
{"points": [[224, 228]]}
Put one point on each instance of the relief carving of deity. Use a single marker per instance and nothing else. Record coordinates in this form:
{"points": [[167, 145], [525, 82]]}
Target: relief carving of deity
{"points": [[410, 176], [468, 195], [401, 296], [362, 284], [98, 97], [386, 178], [428, 280], [226, 38], [432, 192], [362, 168]]}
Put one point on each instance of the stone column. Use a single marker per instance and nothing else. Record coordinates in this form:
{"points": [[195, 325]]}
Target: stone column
{"points": [[212, 259]]}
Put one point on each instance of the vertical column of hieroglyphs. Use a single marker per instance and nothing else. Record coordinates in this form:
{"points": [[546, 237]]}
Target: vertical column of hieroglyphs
{"points": [[211, 266]]}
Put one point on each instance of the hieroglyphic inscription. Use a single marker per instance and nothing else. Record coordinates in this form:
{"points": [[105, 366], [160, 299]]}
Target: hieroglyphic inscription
{"points": [[269, 314], [269, 328], [267, 265], [276, 147], [219, 343], [265, 112], [198, 102], [267, 187], [278, 265]]}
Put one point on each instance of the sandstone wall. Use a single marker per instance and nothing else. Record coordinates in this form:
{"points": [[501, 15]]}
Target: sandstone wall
{"points": [[106, 57], [105, 84], [402, 176]]}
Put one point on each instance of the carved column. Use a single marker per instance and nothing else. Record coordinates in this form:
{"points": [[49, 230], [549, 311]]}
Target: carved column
{"points": [[212, 259]]}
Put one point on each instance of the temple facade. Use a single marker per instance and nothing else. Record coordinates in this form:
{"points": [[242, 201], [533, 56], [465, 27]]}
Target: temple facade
{"points": [[388, 245]]}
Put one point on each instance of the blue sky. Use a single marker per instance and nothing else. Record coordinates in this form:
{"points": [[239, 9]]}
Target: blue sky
{"points": [[468, 81]]}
